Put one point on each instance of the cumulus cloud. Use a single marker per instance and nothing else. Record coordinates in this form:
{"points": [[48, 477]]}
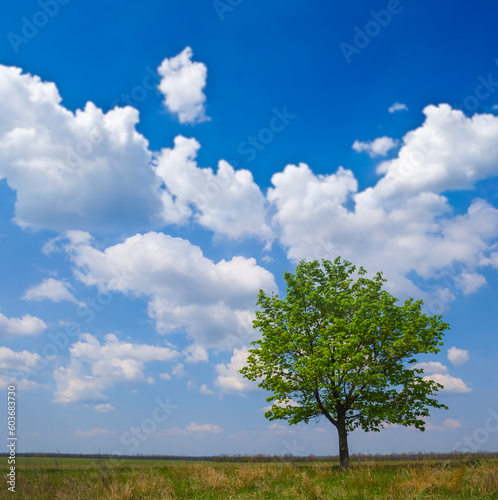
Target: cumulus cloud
{"points": [[450, 384], [404, 224], [182, 85], [87, 170], [397, 106], [457, 356], [228, 202], [17, 366], [94, 367], [195, 353], [449, 424], [378, 147], [51, 289], [203, 389], [229, 380], [186, 290], [470, 282], [431, 367], [27, 325]]}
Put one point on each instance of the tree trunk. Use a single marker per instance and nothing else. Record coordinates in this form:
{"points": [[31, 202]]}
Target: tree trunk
{"points": [[343, 444]]}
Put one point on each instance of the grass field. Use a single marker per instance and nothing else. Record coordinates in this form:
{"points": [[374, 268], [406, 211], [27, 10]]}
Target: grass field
{"points": [[68, 478]]}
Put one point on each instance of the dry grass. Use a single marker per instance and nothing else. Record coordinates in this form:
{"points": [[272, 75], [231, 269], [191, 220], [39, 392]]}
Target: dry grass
{"points": [[108, 480]]}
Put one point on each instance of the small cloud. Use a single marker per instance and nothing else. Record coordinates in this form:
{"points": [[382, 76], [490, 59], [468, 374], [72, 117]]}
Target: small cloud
{"points": [[104, 408], [458, 357], [178, 370], [281, 429], [165, 376], [27, 325], [205, 428], [378, 147], [494, 107], [52, 289], [182, 86], [205, 390], [92, 433], [450, 384], [431, 367], [449, 424], [470, 282], [397, 106], [195, 353]]}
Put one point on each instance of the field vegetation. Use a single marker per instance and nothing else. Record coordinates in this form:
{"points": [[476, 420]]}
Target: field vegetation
{"points": [[57, 478]]}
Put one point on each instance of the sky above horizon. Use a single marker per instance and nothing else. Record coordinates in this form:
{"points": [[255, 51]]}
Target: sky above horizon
{"points": [[160, 163]]}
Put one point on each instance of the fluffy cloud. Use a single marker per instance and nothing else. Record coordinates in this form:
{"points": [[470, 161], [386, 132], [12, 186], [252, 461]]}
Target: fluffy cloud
{"points": [[211, 301], [15, 368], [457, 356], [53, 290], [27, 325], [227, 202], [195, 354], [95, 367], [86, 169], [431, 367], [182, 86], [378, 147], [449, 424], [451, 384], [397, 106], [470, 282], [404, 224], [229, 379]]}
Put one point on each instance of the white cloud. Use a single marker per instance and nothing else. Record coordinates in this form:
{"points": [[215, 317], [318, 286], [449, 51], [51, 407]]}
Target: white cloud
{"points": [[378, 147], [458, 356], [203, 389], [229, 379], [227, 202], [27, 325], [182, 86], [95, 367], [397, 106], [280, 429], [87, 170], [431, 367], [51, 289], [204, 428], [211, 301], [178, 370], [92, 433], [17, 366], [195, 354], [449, 424], [104, 408], [451, 384], [165, 376], [403, 224], [470, 282]]}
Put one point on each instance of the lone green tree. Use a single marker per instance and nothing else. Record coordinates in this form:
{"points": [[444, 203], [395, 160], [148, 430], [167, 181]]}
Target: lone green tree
{"points": [[339, 346]]}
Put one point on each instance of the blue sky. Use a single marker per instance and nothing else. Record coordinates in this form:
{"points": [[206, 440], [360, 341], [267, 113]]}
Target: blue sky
{"points": [[162, 162]]}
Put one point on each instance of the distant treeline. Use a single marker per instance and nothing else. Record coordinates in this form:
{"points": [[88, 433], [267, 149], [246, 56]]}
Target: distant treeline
{"points": [[356, 457]]}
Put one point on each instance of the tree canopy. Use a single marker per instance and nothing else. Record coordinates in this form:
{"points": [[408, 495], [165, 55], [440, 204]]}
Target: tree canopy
{"points": [[340, 346]]}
